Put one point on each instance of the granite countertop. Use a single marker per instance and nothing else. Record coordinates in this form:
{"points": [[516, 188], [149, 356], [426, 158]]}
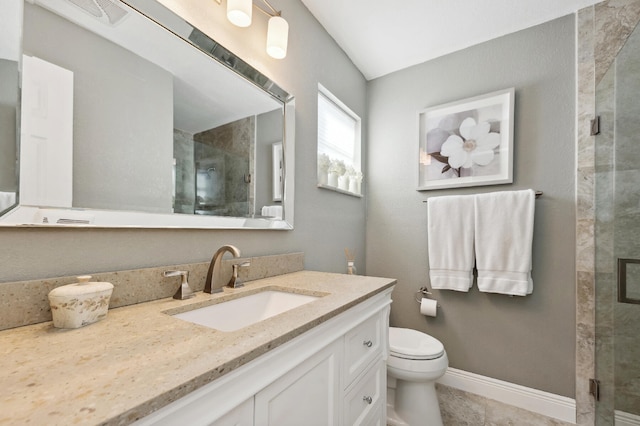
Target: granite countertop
{"points": [[140, 358]]}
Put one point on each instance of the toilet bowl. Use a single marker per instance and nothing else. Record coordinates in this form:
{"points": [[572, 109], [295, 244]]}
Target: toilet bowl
{"points": [[416, 360]]}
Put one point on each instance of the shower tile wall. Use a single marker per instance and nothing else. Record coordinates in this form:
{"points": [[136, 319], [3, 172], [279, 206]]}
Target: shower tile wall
{"points": [[235, 142], [585, 268]]}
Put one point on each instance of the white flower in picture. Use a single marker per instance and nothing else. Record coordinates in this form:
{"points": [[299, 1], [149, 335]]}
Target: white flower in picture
{"points": [[475, 145]]}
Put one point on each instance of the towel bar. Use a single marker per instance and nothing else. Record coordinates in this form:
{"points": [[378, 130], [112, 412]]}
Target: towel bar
{"points": [[538, 195]]}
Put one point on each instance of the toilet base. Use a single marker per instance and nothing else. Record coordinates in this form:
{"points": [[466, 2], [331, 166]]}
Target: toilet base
{"points": [[413, 403], [393, 419]]}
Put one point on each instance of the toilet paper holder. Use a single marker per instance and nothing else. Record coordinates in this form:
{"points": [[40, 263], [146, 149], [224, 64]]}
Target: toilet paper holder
{"points": [[423, 292]]}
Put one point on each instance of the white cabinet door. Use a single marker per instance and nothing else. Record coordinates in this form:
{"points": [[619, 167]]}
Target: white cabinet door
{"points": [[307, 395]]}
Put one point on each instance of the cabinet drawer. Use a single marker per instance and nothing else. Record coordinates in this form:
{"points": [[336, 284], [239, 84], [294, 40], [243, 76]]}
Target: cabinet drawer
{"points": [[362, 345], [364, 402]]}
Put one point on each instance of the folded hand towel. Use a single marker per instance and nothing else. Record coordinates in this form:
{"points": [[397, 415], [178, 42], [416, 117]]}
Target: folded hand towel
{"points": [[504, 236], [7, 199], [272, 211], [450, 240], [276, 212]]}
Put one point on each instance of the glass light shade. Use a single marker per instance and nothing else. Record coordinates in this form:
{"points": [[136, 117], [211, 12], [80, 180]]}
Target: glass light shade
{"points": [[277, 37], [239, 12]]}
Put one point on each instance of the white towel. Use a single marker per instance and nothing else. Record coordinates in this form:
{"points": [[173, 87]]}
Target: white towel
{"points": [[504, 237], [272, 211], [450, 239], [7, 199]]}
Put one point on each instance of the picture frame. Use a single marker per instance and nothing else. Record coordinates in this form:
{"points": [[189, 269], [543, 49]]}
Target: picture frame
{"points": [[467, 142]]}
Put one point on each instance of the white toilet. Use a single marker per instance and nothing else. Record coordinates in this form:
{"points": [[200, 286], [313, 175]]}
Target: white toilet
{"points": [[416, 361]]}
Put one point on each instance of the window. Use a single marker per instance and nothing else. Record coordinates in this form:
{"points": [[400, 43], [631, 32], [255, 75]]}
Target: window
{"points": [[338, 145]]}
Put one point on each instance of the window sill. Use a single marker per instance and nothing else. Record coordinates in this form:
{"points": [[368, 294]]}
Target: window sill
{"points": [[341, 191]]}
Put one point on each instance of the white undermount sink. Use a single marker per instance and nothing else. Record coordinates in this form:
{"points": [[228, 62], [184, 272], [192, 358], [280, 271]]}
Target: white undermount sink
{"points": [[245, 310]]}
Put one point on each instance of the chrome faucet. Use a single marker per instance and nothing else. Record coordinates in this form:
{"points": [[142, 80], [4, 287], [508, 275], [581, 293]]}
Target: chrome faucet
{"points": [[215, 279]]}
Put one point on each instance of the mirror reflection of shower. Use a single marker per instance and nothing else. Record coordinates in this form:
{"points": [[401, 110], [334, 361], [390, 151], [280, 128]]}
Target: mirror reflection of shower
{"points": [[211, 170], [209, 185], [226, 170]]}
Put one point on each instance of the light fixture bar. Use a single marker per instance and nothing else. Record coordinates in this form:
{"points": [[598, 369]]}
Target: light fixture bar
{"points": [[273, 12], [239, 14]]}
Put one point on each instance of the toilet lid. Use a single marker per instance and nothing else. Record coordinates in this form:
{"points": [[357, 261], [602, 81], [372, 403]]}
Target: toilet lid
{"points": [[411, 344]]}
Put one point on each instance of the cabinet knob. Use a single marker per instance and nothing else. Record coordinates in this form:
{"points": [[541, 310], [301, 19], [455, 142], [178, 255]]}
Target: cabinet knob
{"points": [[367, 399], [368, 343]]}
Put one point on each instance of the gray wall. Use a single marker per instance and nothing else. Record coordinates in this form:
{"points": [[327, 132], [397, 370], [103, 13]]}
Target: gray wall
{"points": [[123, 112], [269, 132], [325, 221], [8, 106], [525, 340]]}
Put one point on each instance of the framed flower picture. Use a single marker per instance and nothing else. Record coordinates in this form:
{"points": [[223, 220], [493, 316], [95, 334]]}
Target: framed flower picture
{"points": [[467, 143]]}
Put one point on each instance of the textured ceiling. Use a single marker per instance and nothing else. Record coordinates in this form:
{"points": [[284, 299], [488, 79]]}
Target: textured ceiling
{"points": [[381, 37]]}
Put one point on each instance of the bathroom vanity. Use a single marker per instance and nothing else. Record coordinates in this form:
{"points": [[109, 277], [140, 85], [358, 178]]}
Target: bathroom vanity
{"points": [[320, 363]]}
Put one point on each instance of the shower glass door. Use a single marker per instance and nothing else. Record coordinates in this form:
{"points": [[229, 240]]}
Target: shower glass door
{"points": [[618, 239]]}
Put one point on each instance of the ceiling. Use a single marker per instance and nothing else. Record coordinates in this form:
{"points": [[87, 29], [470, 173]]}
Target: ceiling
{"points": [[381, 37]]}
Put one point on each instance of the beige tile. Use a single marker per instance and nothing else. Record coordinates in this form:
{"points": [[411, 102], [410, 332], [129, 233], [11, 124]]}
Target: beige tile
{"points": [[585, 188], [614, 21], [459, 408], [585, 245]]}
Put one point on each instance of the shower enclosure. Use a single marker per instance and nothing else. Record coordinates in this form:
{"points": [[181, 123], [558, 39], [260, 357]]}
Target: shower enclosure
{"points": [[213, 169], [617, 238]]}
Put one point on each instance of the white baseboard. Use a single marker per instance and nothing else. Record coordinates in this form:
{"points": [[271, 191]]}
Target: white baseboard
{"points": [[626, 419], [545, 403]]}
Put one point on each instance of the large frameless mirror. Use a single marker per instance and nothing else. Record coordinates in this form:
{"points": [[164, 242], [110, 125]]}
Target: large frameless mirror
{"points": [[129, 116]]}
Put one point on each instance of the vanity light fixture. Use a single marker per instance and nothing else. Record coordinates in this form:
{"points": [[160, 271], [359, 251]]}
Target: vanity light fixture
{"points": [[239, 13]]}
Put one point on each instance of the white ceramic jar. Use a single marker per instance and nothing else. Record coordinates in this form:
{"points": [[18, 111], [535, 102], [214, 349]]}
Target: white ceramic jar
{"points": [[80, 304]]}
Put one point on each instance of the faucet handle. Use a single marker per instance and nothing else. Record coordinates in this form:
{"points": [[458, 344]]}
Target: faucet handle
{"points": [[175, 273], [235, 282], [184, 291]]}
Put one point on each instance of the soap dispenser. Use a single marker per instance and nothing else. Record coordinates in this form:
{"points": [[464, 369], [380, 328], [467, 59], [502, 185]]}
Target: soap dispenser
{"points": [[80, 304]]}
